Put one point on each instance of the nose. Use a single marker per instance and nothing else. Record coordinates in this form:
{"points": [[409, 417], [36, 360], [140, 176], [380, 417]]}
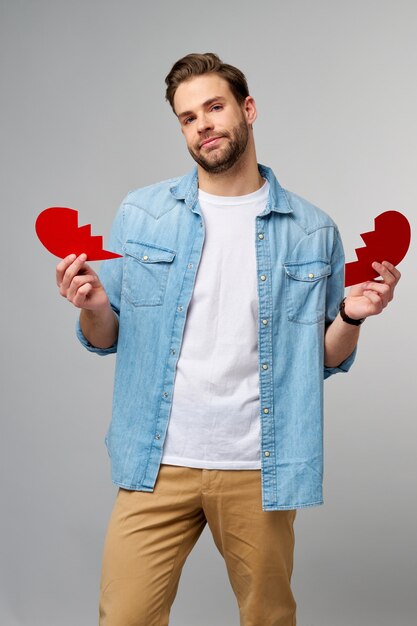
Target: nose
{"points": [[204, 123]]}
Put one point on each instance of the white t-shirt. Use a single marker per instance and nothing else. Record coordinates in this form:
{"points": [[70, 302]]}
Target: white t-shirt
{"points": [[214, 422]]}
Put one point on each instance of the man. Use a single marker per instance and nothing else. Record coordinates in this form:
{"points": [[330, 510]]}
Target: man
{"points": [[224, 312]]}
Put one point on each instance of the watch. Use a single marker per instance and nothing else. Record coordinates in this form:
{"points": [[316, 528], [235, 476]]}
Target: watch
{"points": [[346, 317]]}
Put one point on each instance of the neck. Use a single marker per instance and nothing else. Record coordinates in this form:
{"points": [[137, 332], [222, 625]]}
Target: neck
{"points": [[239, 180]]}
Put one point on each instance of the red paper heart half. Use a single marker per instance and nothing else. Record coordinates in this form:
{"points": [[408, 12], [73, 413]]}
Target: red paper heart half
{"points": [[388, 242], [58, 230]]}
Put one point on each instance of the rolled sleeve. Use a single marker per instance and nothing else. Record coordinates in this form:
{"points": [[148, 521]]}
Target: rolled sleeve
{"points": [[84, 341], [343, 367]]}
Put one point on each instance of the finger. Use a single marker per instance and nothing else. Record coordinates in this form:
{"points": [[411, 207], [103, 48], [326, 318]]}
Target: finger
{"points": [[385, 273], [79, 281], [382, 289], [376, 301], [82, 295], [357, 290], [62, 267], [72, 270], [392, 269]]}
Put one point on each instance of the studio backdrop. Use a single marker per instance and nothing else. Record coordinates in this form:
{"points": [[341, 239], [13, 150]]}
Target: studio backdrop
{"points": [[83, 121]]}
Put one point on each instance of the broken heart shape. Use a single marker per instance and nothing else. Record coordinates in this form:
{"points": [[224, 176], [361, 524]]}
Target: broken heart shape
{"points": [[58, 230], [388, 242]]}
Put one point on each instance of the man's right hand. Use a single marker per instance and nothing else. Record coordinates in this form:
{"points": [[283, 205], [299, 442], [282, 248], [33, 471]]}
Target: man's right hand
{"points": [[79, 284]]}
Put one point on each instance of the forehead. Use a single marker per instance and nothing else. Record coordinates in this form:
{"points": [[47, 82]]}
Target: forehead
{"points": [[194, 92]]}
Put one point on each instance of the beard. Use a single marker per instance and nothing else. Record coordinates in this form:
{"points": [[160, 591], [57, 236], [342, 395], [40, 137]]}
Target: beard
{"points": [[221, 160]]}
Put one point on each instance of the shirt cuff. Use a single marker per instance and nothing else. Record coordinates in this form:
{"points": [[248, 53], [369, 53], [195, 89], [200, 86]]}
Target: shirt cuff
{"points": [[100, 351], [343, 367]]}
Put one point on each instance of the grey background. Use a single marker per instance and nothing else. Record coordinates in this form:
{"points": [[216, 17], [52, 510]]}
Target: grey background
{"points": [[83, 120]]}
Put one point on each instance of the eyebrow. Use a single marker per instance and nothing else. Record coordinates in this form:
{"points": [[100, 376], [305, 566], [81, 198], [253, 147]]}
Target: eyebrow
{"points": [[205, 104]]}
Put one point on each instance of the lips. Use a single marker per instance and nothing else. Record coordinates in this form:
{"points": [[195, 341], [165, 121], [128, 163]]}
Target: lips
{"points": [[210, 141]]}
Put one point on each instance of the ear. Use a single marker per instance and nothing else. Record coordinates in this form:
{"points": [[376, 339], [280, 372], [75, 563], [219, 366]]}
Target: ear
{"points": [[249, 109]]}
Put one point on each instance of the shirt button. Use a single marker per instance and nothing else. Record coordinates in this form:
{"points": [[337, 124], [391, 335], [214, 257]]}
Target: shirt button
{"points": [[264, 322], [264, 366], [145, 258], [311, 275], [165, 394], [157, 436], [172, 351], [260, 236], [266, 411], [190, 266], [263, 277], [267, 453], [179, 309]]}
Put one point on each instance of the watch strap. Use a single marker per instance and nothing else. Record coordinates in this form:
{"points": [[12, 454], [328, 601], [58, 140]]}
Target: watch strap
{"points": [[345, 317]]}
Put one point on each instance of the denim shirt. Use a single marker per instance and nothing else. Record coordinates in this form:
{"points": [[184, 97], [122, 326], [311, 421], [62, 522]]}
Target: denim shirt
{"points": [[159, 230]]}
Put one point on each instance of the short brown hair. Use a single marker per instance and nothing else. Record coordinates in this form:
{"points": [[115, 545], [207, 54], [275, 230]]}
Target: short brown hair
{"points": [[197, 64]]}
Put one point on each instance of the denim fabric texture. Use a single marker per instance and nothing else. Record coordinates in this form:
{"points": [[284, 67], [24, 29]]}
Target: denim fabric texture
{"points": [[159, 231]]}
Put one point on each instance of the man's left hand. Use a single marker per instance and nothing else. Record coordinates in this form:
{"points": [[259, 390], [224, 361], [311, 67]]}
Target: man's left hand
{"points": [[371, 297]]}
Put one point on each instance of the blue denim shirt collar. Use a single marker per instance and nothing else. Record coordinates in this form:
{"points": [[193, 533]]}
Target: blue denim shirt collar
{"points": [[187, 189]]}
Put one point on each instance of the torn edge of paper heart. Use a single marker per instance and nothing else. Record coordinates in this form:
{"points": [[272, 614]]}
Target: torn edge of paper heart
{"points": [[57, 229], [389, 241]]}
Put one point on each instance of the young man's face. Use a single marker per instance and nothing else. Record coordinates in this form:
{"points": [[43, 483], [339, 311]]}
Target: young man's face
{"points": [[214, 125]]}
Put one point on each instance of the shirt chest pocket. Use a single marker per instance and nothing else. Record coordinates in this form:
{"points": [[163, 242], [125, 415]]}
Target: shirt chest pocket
{"points": [[305, 289], [145, 273]]}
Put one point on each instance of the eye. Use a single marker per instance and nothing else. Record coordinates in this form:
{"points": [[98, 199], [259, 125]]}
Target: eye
{"points": [[188, 120], [216, 107]]}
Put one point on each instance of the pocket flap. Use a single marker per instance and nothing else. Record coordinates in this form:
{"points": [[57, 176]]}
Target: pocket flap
{"points": [[309, 271], [148, 252]]}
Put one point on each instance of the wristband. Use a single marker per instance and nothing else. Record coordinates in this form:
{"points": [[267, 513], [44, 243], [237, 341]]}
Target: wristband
{"points": [[345, 317]]}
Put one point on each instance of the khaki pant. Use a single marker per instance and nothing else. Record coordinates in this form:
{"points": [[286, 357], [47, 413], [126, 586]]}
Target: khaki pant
{"points": [[150, 536]]}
